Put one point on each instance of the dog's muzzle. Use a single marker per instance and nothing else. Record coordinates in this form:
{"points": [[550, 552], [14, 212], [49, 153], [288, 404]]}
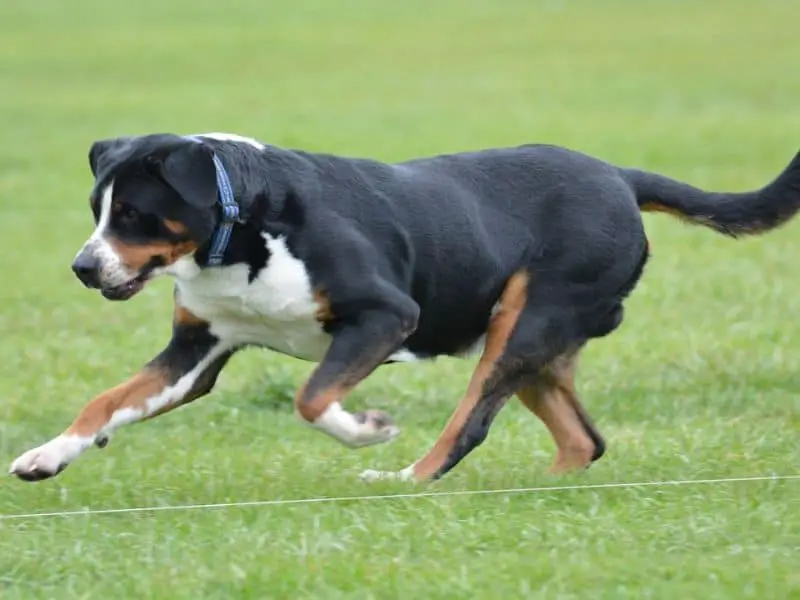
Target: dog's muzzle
{"points": [[86, 267], [98, 267]]}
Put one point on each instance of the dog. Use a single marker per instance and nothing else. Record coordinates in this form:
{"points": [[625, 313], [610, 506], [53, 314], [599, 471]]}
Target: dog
{"points": [[522, 254]]}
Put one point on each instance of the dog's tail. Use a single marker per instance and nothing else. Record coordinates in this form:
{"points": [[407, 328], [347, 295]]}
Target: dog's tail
{"points": [[732, 214]]}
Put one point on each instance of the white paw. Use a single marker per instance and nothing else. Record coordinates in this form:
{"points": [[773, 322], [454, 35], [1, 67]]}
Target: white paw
{"points": [[374, 427], [49, 459], [406, 474], [357, 430]]}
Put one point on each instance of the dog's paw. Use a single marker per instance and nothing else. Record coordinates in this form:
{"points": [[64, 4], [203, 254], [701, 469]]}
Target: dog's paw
{"points": [[375, 427], [406, 474], [357, 430], [48, 459]]}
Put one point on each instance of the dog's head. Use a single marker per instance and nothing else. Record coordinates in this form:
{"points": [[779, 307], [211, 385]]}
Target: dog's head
{"points": [[153, 202]]}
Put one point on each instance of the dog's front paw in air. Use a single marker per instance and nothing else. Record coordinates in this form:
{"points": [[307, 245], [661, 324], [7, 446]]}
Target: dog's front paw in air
{"points": [[357, 430], [48, 459], [375, 427]]}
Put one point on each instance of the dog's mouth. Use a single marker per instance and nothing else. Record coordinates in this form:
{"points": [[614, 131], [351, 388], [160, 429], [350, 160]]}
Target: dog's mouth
{"points": [[127, 290]]}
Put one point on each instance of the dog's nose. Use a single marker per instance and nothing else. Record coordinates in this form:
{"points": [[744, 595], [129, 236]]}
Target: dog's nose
{"points": [[86, 269]]}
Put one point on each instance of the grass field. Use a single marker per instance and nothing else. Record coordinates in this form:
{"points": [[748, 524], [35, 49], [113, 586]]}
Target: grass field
{"points": [[701, 381]]}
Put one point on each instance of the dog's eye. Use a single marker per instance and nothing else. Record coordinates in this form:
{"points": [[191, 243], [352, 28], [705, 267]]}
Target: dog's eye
{"points": [[129, 214]]}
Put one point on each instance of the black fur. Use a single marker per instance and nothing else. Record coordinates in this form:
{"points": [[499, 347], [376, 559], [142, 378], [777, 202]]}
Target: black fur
{"points": [[418, 253], [732, 214], [448, 231]]}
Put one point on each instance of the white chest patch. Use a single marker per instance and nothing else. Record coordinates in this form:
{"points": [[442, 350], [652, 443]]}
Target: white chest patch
{"points": [[276, 310]]}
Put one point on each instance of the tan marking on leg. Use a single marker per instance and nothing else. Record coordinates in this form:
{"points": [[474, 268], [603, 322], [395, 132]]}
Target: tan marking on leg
{"points": [[501, 325], [554, 400], [313, 408], [353, 354], [183, 316], [355, 430], [131, 394], [324, 311]]}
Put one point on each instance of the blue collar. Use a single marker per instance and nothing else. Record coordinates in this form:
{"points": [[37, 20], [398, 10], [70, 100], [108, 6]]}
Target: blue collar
{"points": [[230, 211]]}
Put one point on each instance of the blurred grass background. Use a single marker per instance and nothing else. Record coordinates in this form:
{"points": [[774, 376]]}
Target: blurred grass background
{"points": [[701, 380]]}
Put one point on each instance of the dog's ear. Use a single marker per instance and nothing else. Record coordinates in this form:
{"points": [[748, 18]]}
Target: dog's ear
{"points": [[189, 170], [102, 152]]}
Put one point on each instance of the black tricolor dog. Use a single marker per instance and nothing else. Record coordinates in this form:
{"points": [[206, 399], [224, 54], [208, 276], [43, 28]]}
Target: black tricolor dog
{"points": [[523, 254]]}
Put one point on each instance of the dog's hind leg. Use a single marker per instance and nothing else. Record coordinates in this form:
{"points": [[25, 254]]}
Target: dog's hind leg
{"points": [[525, 334], [552, 398]]}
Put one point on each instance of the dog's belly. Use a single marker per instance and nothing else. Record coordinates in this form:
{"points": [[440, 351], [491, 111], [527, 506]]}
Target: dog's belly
{"points": [[300, 338]]}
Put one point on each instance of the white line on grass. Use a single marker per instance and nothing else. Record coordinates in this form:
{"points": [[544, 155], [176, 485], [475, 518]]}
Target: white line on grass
{"points": [[296, 501]]}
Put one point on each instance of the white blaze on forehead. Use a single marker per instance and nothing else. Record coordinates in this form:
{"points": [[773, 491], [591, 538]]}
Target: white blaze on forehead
{"points": [[105, 212], [232, 137], [113, 271]]}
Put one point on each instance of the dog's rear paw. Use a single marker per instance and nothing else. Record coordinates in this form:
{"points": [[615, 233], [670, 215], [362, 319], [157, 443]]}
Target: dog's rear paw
{"points": [[406, 474]]}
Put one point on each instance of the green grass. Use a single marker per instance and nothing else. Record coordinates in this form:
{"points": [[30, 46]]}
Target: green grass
{"points": [[701, 381]]}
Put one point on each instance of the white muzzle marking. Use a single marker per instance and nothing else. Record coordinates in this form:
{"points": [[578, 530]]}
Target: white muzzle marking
{"points": [[112, 270]]}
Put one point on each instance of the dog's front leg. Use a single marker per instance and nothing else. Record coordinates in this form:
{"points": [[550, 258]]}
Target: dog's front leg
{"points": [[358, 348], [185, 370]]}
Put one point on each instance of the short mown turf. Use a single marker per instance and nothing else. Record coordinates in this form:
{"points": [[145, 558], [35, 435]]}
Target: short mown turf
{"points": [[701, 381]]}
